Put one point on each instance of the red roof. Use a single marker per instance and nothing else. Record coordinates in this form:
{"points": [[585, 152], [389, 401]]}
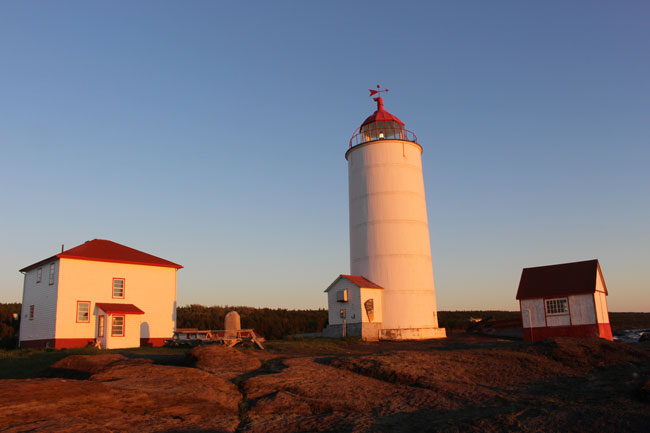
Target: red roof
{"points": [[108, 251], [361, 282], [559, 280], [381, 115], [111, 308]]}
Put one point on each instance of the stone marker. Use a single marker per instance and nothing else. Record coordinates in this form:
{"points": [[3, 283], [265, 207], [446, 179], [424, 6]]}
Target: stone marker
{"points": [[232, 325]]}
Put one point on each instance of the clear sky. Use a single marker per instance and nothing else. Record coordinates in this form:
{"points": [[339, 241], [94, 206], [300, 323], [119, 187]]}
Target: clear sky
{"points": [[213, 134]]}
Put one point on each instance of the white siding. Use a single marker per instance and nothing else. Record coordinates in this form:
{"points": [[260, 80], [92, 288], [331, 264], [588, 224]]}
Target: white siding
{"points": [[389, 230], [352, 307], [150, 288], [582, 309], [601, 307], [532, 313], [376, 296], [601, 300], [562, 320], [44, 298], [131, 336]]}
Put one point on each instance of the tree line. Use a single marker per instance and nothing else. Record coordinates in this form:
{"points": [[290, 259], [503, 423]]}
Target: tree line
{"points": [[9, 325], [275, 323], [271, 323]]}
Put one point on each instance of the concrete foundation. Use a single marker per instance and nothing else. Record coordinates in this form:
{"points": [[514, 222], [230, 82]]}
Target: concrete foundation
{"points": [[373, 332], [412, 333], [365, 331]]}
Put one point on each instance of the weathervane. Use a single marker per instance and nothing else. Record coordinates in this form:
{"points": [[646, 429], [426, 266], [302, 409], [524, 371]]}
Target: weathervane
{"points": [[378, 99], [374, 92]]}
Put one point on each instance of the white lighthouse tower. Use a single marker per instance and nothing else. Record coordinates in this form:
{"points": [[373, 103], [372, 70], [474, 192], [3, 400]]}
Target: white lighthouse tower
{"points": [[390, 253]]}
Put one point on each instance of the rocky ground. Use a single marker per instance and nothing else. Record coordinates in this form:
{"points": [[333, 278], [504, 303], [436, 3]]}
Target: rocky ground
{"points": [[463, 383]]}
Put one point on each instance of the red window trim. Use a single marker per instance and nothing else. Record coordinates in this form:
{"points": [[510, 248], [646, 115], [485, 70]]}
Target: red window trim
{"points": [[77, 318], [31, 312], [123, 288], [123, 316]]}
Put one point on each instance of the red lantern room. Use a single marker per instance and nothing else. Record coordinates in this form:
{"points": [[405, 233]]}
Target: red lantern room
{"points": [[381, 125]]}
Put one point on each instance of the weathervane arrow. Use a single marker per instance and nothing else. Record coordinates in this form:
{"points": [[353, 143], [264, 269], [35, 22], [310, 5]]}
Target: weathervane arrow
{"points": [[374, 92]]}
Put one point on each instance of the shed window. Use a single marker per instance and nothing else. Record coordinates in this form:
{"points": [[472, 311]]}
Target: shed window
{"points": [[39, 275], [117, 326], [557, 306], [83, 311], [118, 287], [51, 273]]}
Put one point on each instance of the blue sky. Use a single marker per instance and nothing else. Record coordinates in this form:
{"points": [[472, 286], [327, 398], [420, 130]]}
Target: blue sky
{"points": [[213, 134]]}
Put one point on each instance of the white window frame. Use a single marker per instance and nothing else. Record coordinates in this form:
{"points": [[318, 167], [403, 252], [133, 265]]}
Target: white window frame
{"points": [[123, 288], [556, 306], [39, 274], [82, 319], [51, 274], [119, 326]]}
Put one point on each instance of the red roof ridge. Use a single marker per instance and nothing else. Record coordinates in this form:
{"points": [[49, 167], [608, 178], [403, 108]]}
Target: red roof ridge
{"points": [[103, 250], [361, 282], [562, 279]]}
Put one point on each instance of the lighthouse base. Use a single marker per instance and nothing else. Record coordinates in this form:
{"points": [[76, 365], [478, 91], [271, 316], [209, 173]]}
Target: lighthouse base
{"points": [[412, 333]]}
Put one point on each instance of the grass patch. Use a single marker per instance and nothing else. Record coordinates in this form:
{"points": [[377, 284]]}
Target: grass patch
{"points": [[298, 345], [31, 363]]}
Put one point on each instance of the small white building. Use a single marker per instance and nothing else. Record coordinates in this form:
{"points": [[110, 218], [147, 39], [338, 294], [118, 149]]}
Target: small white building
{"points": [[98, 291], [355, 308], [564, 300]]}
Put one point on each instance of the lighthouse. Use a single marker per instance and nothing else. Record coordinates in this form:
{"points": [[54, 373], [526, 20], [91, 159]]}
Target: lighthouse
{"points": [[390, 292]]}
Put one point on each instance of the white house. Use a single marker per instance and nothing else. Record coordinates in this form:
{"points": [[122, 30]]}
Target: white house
{"points": [[98, 291], [355, 308], [565, 300]]}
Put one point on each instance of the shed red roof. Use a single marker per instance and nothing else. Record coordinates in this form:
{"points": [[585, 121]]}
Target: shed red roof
{"points": [[108, 251], [559, 280], [361, 282], [111, 308], [381, 115]]}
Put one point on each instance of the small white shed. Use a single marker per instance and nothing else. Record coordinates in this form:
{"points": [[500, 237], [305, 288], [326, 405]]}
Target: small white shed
{"points": [[355, 308], [564, 300]]}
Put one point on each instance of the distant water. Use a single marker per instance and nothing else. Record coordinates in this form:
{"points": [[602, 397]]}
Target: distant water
{"points": [[630, 335]]}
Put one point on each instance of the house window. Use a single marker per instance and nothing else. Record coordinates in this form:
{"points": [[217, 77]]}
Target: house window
{"points": [[83, 311], [39, 274], [51, 273], [557, 306], [117, 326], [118, 287], [31, 312], [100, 326]]}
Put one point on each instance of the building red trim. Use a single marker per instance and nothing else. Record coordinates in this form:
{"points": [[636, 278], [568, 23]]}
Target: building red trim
{"points": [[64, 256], [57, 343], [605, 330], [600, 330], [152, 342], [77, 318], [123, 288]]}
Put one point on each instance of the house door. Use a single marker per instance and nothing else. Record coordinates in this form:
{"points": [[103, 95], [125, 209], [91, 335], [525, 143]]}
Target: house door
{"points": [[100, 326]]}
